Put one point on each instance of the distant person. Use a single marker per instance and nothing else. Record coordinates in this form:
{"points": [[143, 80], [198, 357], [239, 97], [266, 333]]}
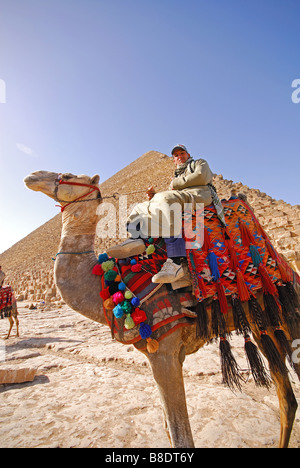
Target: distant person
{"points": [[191, 184]]}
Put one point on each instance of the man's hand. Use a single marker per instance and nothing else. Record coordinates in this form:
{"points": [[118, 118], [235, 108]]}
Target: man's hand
{"points": [[150, 192]]}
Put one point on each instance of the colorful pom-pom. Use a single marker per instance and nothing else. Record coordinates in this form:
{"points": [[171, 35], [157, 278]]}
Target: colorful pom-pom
{"points": [[118, 311], [118, 278], [136, 268], [152, 345], [139, 316], [102, 258], [108, 265], [126, 306], [145, 331], [109, 304], [133, 262], [97, 270], [150, 240], [122, 286], [150, 249], [110, 275], [105, 294], [135, 301], [118, 297], [129, 323], [128, 295]]}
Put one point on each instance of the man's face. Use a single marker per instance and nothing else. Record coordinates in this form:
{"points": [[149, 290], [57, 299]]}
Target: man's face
{"points": [[180, 156]]}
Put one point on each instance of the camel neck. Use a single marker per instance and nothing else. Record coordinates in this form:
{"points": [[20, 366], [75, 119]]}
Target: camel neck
{"points": [[80, 219], [78, 287]]}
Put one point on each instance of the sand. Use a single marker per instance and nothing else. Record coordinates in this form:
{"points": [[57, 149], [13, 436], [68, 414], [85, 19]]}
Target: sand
{"points": [[90, 391]]}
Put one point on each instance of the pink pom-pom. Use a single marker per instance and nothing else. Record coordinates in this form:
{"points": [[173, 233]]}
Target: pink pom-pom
{"points": [[118, 297], [136, 268]]}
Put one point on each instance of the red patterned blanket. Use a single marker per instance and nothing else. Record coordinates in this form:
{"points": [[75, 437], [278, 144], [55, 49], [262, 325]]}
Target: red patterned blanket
{"points": [[237, 260], [6, 298]]}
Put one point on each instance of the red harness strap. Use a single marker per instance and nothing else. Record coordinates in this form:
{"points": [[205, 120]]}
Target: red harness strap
{"points": [[64, 182]]}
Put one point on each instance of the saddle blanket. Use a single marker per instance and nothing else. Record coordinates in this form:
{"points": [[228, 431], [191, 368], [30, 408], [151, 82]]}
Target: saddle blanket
{"points": [[6, 300], [236, 212]]}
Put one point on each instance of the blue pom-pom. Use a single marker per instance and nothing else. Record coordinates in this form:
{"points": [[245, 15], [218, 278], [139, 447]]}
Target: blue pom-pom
{"points": [[122, 286], [145, 331], [133, 262], [118, 311], [135, 301], [103, 258]]}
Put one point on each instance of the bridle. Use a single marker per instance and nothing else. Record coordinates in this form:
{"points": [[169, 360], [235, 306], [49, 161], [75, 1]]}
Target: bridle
{"points": [[59, 181]]}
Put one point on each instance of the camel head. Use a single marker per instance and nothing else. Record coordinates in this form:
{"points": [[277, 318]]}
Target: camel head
{"points": [[64, 188]]}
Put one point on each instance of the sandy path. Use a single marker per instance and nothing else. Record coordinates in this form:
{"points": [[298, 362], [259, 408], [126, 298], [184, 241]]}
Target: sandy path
{"points": [[93, 392]]}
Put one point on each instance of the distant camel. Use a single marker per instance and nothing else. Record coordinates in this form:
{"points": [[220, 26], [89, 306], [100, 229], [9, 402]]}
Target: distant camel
{"points": [[80, 289]]}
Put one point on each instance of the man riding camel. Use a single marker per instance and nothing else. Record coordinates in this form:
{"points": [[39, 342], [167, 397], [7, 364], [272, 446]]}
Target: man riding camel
{"points": [[191, 184]]}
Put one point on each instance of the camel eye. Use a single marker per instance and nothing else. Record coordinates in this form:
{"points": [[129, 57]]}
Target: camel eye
{"points": [[67, 176]]}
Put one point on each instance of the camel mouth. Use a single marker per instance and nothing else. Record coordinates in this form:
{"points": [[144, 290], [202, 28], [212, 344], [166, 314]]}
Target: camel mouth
{"points": [[31, 181]]}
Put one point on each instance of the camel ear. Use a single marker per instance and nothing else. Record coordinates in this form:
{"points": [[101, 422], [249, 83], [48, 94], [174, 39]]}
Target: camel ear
{"points": [[95, 179]]}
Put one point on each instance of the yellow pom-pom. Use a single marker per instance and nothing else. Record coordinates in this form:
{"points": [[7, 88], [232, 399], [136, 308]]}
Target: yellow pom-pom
{"points": [[128, 295], [109, 265], [150, 249], [152, 345]]}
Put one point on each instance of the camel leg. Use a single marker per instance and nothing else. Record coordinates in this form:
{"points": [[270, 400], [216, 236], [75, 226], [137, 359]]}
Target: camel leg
{"points": [[11, 323], [288, 407], [166, 366], [287, 401], [17, 324]]}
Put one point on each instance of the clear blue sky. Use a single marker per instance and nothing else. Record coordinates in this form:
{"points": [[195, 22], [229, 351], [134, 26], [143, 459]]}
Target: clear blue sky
{"points": [[93, 84]]}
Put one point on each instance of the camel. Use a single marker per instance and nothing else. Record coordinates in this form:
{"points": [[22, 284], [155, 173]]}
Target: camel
{"points": [[79, 197], [13, 317]]}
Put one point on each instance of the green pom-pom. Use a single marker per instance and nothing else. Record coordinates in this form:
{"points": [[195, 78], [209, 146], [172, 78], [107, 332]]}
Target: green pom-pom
{"points": [[150, 249], [128, 295], [129, 323], [108, 265], [126, 306], [150, 240], [110, 275]]}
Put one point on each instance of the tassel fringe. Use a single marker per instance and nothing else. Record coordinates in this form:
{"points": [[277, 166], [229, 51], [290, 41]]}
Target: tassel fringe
{"points": [[258, 370], [219, 326], [202, 321], [257, 314], [272, 309], [240, 320], [285, 346], [231, 372], [273, 356]]}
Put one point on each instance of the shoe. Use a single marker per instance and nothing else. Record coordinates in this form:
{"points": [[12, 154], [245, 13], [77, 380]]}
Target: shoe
{"points": [[169, 273], [186, 281], [128, 248]]}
